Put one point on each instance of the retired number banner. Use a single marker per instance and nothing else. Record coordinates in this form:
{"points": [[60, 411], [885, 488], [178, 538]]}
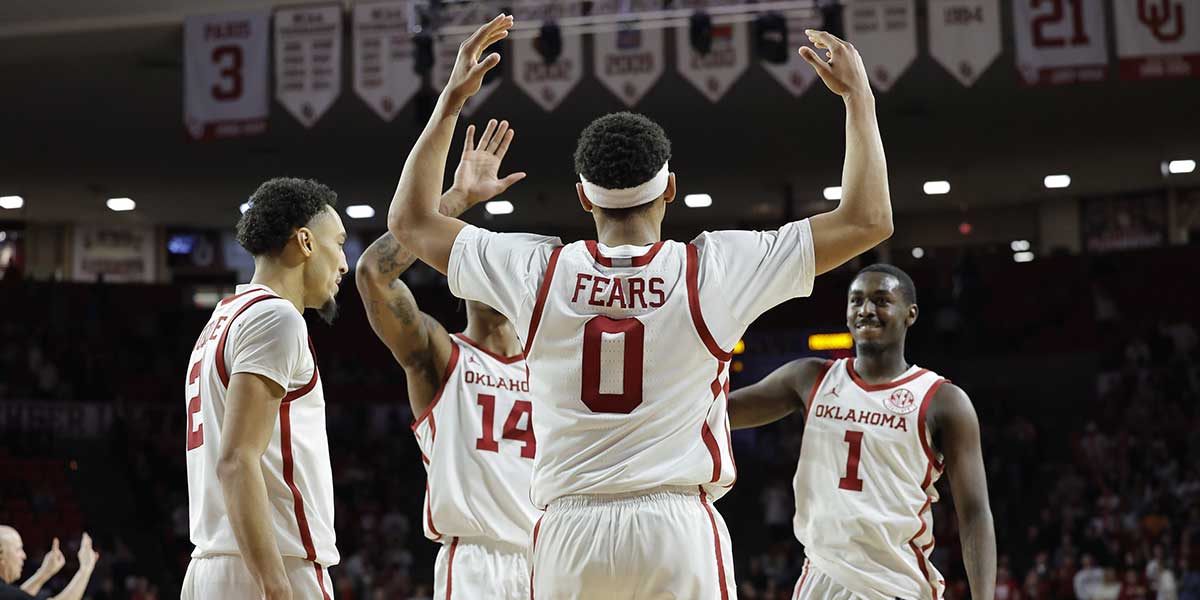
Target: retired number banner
{"points": [[225, 75], [714, 73], [308, 59], [629, 62], [383, 57], [547, 83], [795, 75], [1060, 41], [1157, 38], [964, 36], [885, 33]]}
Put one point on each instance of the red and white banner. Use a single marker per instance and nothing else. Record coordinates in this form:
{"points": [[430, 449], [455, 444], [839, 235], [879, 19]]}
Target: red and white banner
{"points": [[714, 73], [445, 52], [225, 74], [885, 33], [1157, 38], [629, 62], [1060, 41], [119, 254], [964, 36], [383, 57], [795, 75], [308, 59], [547, 84]]}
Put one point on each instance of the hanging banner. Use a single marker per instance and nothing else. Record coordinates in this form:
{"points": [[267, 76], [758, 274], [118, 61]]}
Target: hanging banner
{"points": [[714, 73], [547, 84], [885, 33], [1060, 41], [1157, 38], [964, 36], [445, 52], [308, 60], [116, 254], [629, 62], [383, 57], [225, 75], [795, 75]]}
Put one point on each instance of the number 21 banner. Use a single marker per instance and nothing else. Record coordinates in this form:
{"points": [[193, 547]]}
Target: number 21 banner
{"points": [[225, 74], [1060, 41]]}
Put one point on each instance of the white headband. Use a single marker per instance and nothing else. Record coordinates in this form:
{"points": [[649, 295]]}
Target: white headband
{"points": [[628, 197]]}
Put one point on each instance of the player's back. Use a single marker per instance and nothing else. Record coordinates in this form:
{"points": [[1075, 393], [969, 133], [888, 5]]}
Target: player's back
{"points": [[865, 480], [635, 382], [257, 332]]}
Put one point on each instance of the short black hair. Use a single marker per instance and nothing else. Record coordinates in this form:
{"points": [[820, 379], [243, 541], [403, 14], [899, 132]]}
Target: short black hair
{"points": [[907, 288], [621, 150], [279, 207]]}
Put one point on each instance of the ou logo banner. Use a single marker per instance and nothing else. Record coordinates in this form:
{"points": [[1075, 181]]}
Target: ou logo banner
{"points": [[1157, 38]]}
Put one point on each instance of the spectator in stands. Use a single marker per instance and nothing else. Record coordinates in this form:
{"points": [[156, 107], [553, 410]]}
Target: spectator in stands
{"points": [[1088, 579], [12, 560]]}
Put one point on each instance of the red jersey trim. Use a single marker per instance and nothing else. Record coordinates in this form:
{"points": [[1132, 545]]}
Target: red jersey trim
{"points": [[541, 299], [429, 512], [321, 581], [450, 365], [800, 586], [717, 544], [222, 371], [693, 291], [508, 360], [917, 551], [933, 460], [450, 567], [876, 387], [312, 382], [634, 261], [532, 552], [289, 477], [816, 386], [249, 291]]}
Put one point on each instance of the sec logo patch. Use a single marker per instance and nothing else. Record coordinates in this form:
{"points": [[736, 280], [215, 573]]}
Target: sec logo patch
{"points": [[901, 402]]}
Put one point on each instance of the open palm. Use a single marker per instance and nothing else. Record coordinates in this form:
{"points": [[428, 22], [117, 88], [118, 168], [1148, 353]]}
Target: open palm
{"points": [[478, 172]]}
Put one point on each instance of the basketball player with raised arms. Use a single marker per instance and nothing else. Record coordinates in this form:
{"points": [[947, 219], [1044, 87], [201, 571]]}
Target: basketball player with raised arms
{"points": [[260, 486], [628, 337], [878, 433], [470, 392]]}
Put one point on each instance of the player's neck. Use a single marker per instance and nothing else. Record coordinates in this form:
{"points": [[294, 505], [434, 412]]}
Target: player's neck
{"points": [[500, 339], [880, 365], [632, 232], [287, 283]]}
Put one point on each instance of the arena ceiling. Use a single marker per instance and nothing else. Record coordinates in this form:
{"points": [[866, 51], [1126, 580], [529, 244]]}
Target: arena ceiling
{"points": [[92, 108]]}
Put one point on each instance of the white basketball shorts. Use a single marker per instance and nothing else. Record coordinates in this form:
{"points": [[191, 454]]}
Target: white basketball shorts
{"points": [[226, 577], [469, 568]]}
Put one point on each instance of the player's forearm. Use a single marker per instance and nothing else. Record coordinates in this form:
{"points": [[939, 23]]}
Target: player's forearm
{"points": [[77, 586], [416, 198], [747, 411], [979, 550], [865, 195], [386, 259], [245, 494], [34, 584]]}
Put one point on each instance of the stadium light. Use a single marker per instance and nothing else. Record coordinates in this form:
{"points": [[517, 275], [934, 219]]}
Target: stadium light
{"points": [[244, 207], [697, 200], [1019, 245], [739, 347], [830, 341], [833, 193], [121, 204], [11, 202], [1054, 182], [918, 253], [360, 211], [937, 188], [499, 207], [1023, 257], [1179, 167]]}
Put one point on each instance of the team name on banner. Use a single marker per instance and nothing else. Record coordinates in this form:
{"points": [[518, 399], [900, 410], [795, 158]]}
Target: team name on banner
{"points": [[445, 52], [308, 60], [885, 33], [1157, 38], [714, 73], [383, 57], [629, 62], [547, 83], [1060, 41], [795, 75], [117, 254], [964, 36], [225, 75]]}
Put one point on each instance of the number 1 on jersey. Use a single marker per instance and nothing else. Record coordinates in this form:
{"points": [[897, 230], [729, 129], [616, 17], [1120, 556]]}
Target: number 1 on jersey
{"points": [[512, 430], [851, 481]]}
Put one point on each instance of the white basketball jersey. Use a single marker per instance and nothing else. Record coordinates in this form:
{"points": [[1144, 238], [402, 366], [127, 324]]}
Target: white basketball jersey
{"points": [[640, 385], [255, 331], [477, 442], [865, 483]]}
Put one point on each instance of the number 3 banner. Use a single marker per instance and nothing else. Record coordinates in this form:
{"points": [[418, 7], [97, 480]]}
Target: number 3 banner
{"points": [[1060, 41], [225, 75]]}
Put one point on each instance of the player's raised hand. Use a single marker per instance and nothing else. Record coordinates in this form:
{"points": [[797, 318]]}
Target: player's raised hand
{"points": [[53, 562], [467, 76], [87, 556], [841, 68], [478, 172]]}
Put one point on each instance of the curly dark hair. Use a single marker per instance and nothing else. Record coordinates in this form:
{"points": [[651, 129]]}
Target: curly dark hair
{"points": [[907, 288], [277, 208], [621, 150]]}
